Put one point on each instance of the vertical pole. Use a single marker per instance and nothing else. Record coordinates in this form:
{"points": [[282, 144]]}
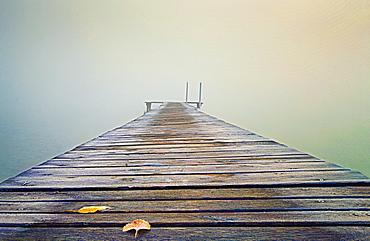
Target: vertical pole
{"points": [[148, 106], [200, 95], [187, 92]]}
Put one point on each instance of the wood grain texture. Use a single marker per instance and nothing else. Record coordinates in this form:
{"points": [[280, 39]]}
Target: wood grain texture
{"points": [[193, 177], [190, 180], [188, 233], [193, 206], [184, 170], [271, 218], [191, 194]]}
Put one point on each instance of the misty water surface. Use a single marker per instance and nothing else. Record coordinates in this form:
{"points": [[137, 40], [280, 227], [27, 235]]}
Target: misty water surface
{"points": [[293, 71]]}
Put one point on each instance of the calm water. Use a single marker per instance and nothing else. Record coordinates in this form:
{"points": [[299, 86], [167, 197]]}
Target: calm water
{"points": [[293, 71], [26, 144]]}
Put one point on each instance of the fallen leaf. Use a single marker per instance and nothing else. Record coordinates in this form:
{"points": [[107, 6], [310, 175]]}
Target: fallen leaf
{"points": [[89, 209], [137, 225]]}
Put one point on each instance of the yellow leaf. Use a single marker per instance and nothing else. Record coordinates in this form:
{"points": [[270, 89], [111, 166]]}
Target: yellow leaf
{"points": [[137, 225], [90, 209]]}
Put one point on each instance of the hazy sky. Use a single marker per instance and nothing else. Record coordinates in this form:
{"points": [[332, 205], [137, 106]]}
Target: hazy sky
{"points": [[292, 70]]}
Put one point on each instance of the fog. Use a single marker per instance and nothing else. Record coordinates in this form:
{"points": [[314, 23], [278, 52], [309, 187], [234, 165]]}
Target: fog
{"points": [[293, 71]]}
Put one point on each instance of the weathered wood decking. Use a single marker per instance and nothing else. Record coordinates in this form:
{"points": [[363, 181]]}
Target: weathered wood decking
{"points": [[193, 177]]}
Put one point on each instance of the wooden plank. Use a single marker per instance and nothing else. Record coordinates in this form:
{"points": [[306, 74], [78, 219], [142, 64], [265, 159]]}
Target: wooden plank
{"points": [[172, 129], [193, 194], [189, 169], [182, 155], [188, 151], [189, 233], [147, 133], [119, 144], [185, 206], [185, 143], [131, 140], [210, 158], [272, 218], [86, 162], [191, 180], [125, 135]]}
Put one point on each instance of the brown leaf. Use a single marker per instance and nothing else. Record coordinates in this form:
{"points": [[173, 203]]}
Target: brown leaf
{"points": [[137, 225], [90, 209]]}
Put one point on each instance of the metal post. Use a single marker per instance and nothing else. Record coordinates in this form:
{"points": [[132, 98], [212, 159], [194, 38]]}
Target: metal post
{"points": [[148, 106], [187, 92], [200, 95]]}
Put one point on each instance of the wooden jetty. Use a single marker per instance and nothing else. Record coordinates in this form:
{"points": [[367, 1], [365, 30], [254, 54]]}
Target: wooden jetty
{"points": [[192, 177]]}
